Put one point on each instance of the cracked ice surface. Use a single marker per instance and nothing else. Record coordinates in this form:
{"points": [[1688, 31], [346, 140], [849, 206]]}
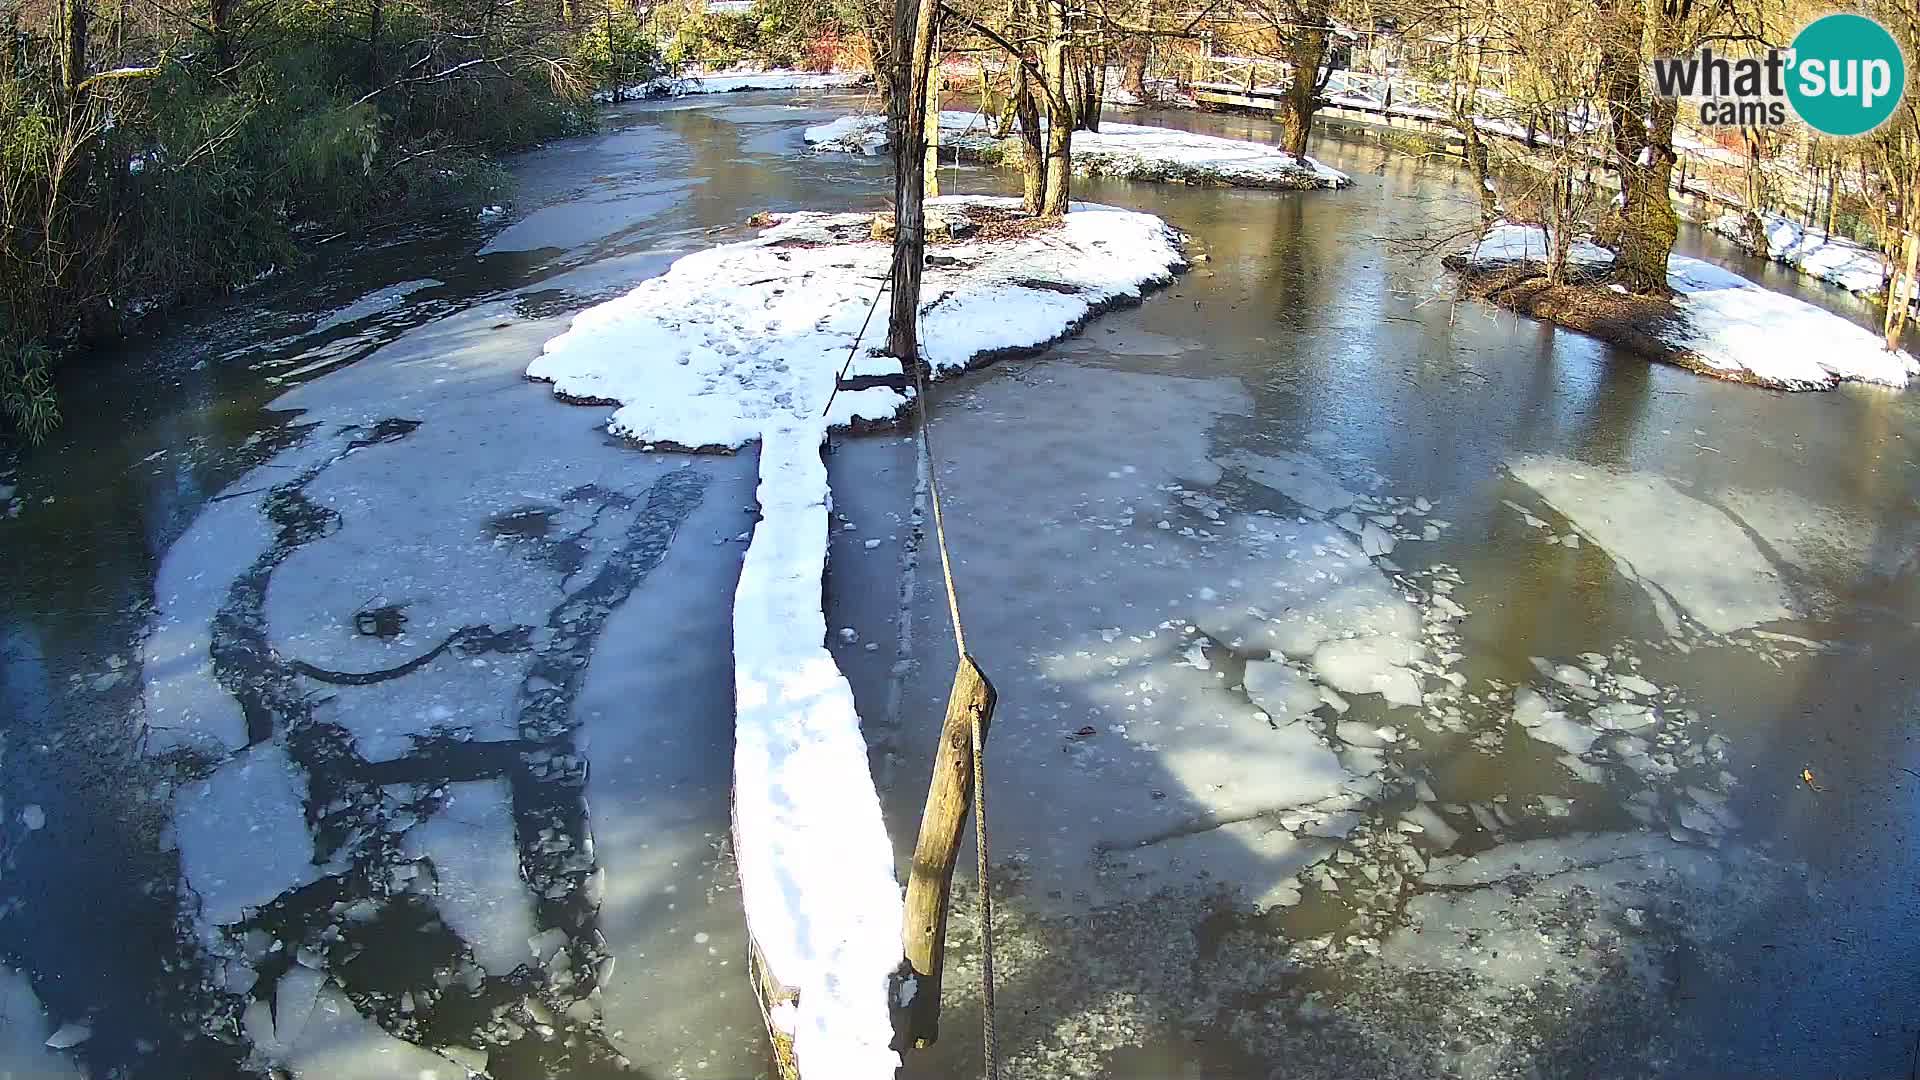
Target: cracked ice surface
{"points": [[1160, 771], [1237, 711], [394, 617], [1685, 552]]}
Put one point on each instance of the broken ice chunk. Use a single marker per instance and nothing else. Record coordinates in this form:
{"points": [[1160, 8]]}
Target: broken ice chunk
{"points": [[1371, 665], [1284, 691]]}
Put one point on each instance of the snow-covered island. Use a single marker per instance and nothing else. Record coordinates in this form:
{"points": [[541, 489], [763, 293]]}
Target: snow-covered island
{"points": [[744, 343], [1717, 323], [1124, 151]]}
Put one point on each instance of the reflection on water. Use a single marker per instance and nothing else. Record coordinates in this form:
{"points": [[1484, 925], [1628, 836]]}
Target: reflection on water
{"points": [[473, 651]]}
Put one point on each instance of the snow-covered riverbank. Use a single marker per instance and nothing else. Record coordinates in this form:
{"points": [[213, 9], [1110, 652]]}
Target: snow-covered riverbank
{"points": [[1721, 324], [728, 82], [1125, 151], [1835, 260], [742, 343]]}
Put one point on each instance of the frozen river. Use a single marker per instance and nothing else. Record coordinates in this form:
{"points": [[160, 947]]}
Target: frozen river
{"points": [[1388, 686]]}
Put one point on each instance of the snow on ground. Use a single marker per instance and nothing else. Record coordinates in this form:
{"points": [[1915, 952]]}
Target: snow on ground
{"points": [[1833, 259], [737, 339], [1686, 553], [1737, 325], [1506, 242], [728, 82], [742, 343], [1732, 324], [1126, 151]]}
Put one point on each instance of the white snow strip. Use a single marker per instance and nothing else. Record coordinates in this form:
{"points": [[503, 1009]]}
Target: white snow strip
{"points": [[730, 82], [1732, 324], [1127, 151], [742, 343]]}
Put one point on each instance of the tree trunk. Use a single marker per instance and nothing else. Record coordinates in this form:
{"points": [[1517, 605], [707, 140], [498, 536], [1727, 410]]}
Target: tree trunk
{"points": [[1135, 74], [1059, 135], [1900, 295], [1648, 225], [1833, 176], [913, 53], [1306, 51], [1753, 228], [219, 22], [73, 48], [375, 12], [1033, 159]]}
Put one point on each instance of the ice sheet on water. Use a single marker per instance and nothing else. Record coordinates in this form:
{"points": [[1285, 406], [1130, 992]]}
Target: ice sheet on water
{"points": [[476, 869], [25, 1030], [338, 1042], [1675, 545], [1282, 690], [1298, 476], [185, 706], [1371, 665], [1258, 856], [243, 834], [1538, 912]]}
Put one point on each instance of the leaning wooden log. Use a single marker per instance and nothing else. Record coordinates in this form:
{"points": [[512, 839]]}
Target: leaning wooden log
{"points": [[942, 824]]}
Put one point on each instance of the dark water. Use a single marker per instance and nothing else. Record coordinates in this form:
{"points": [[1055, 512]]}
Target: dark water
{"points": [[586, 569]]}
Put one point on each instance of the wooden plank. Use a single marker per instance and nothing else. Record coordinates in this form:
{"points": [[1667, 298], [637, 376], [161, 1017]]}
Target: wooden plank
{"points": [[930, 883]]}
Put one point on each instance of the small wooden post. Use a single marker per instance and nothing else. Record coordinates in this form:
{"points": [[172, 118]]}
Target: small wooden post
{"points": [[930, 883]]}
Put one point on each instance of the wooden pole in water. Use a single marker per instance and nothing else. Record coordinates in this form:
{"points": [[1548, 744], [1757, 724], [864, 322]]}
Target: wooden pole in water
{"points": [[930, 883]]}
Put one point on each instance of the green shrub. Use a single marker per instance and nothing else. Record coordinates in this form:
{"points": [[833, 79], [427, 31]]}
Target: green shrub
{"points": [[27, 401], [617, 48]]}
